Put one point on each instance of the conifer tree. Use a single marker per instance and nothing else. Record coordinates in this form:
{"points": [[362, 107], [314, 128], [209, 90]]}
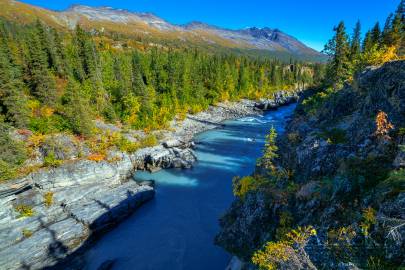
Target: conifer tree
{"points": [[57, 54], [397, 33], [138, 84], [87, 55], [76, 109], [43, 84], [12, 97], [339, 68], [355, 43], [270, 150], [376, 35], [386, 34], [367, 42]]}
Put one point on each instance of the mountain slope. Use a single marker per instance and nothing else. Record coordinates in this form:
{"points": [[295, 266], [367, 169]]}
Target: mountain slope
{"points": [[149, 26]]}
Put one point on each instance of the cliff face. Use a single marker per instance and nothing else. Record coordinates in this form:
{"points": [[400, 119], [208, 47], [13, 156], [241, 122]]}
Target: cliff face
{"points": [[347, 180], [49, 217]]}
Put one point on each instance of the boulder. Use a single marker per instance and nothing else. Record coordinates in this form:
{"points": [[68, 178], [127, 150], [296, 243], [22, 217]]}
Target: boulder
{"points": [[173, 143]]}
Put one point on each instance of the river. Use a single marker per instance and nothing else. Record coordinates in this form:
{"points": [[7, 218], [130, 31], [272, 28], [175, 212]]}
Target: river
{"points": [[175, 231]]}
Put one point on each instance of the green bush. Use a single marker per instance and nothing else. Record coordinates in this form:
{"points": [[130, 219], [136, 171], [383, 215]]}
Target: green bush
{"points": [[27, 233], [314, 102], [126, 145], [244, 185], [25, 210], [334, 136], [401, 131], [11, 151], [369, 172], [13, 154], [149, 141], [7, 171], [47, 125], [48, 199], [395, 181], [51, 161]]}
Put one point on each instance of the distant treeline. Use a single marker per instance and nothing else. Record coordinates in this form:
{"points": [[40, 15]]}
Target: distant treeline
{"points": [[52, 81]]}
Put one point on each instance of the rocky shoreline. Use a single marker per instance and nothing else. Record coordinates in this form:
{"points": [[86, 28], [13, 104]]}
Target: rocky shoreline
{"points": [[55, 213], [347, 184]]}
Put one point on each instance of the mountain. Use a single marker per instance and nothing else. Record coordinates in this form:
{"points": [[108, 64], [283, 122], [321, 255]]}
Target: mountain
{"points": [[149, 27]]}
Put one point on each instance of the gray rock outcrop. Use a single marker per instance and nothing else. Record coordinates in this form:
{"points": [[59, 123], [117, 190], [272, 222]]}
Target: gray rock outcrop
{"points": [[67, 206], [51, 214], [348, 180]]}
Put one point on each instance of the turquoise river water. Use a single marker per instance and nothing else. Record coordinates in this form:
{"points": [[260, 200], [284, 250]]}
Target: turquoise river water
{"points": [[176, 230]]}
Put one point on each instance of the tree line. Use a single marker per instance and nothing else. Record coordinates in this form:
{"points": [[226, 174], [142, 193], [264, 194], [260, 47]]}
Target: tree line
{"points": [[349, 54], [53, 81]]}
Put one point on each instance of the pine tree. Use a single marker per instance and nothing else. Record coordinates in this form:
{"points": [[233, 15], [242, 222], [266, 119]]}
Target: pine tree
{"points": [[355, 44], [367, 42], [12, 97], [43, 84], [57, 54], [138, 84], [87, 54], [376, 35], [339, 68], [244, 80], [386, 34], [76, 109], [397, 33], [270, 150]]}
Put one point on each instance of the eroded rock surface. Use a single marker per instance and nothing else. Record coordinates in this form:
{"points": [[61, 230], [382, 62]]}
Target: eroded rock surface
{"points": [[348, 181], [49, 215]]}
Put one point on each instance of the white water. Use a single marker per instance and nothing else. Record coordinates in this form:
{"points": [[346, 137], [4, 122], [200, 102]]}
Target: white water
{"points": [[176, 230]]}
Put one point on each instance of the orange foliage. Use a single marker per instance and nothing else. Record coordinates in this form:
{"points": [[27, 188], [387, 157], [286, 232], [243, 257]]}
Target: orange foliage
{"points": [[390, 54], [96, 157], [383, 125], [47, 111], [36, 140]]}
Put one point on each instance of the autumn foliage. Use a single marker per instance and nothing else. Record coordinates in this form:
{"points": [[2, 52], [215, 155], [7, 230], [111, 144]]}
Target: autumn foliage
{"points": [[383, 125]]}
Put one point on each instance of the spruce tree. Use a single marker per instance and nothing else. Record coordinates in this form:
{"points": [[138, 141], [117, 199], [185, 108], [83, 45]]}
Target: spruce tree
{"points": [[12, 97], [355, 43], [339, 67], [42, 82], [138, 84], [397, 33], [87, 55], [77, 109], [376, 35], [367, 42], [386, 34]]}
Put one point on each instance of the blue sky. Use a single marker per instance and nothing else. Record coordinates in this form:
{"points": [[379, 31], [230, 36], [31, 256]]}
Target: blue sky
{"points": [[310, 21]]}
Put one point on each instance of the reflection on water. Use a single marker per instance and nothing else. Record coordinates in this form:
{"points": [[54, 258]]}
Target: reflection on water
{"points": [[176, 230]]}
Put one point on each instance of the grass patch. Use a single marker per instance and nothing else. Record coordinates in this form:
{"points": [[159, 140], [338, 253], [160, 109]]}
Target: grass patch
{"points": [[25, 210], [51, 161], [27, 233], [48, 199]]}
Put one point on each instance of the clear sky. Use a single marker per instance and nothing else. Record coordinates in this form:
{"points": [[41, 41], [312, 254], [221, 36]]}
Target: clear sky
{"points": [[311, 21]]}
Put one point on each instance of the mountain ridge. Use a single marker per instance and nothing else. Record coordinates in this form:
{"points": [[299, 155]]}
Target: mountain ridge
{"points": [[149, 25]]}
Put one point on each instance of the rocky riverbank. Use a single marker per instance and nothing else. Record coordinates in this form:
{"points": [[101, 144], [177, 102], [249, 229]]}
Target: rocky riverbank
{"points": [[56, 212], [344, 154]]}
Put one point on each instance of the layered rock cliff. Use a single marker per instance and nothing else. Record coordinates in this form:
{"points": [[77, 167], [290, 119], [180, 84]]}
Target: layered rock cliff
{"points": [[344, 156], [49, 217]]}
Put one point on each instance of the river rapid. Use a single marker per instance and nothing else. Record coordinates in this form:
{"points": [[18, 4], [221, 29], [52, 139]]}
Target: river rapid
{"points": [[176, 230]]}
